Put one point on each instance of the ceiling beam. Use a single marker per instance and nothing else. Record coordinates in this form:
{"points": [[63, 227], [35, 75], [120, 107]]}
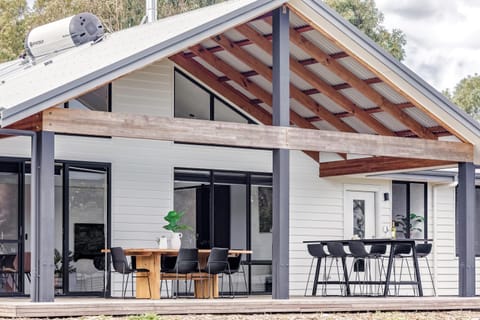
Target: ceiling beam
{"points": [[295, 93], [306, 45], [96, 123], [240, 100], [376, 165], [325, 88]]}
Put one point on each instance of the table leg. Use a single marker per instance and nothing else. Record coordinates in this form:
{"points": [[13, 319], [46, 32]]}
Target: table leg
{"points": [[152, 263], [206, 287], [417, 269], [389, 269], [345, 275], [317, 273]]}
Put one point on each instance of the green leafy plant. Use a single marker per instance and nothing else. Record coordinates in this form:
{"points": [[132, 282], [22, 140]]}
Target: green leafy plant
{"points": [[173, 218], [57, 260], [415, 223]]}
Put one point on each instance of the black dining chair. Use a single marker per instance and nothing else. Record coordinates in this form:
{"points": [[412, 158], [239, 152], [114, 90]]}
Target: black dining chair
{"points": [[217, 264], [236, 267], [337, 252], [318, 253], [423, 250], [121, 265], [185, 263]]}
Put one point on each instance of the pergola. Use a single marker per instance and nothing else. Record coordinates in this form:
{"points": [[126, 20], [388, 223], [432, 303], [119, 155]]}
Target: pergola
{"points": [[316, 85]]}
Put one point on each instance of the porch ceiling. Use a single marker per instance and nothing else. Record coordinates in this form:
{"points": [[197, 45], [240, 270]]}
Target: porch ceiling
{"points": [[329, 88]]}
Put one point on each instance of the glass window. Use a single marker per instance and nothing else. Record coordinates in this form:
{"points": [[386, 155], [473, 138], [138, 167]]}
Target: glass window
{"points": [[409, 209], [196, 102], [96, 100]]}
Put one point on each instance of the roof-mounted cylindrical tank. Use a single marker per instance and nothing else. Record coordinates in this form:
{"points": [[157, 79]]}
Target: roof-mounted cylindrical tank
{"points": [[63, 34]]}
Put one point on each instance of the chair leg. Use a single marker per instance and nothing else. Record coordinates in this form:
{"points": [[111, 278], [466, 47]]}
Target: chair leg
{"points": [[308, 278], [431, 277], [245, 279]]}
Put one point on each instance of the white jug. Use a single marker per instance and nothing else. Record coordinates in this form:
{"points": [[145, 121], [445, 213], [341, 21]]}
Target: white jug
{"points": [[175, 241], [162, 243]]}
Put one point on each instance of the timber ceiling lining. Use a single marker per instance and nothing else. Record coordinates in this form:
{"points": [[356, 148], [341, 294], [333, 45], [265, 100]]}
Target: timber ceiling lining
{"points": [[329, 89]]}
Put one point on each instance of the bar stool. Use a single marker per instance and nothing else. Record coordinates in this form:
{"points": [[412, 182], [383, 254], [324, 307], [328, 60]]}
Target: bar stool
{"points": [[360, 255], [317, 253], [401, 251], [336, 252], [377, 253], [423, 250]]}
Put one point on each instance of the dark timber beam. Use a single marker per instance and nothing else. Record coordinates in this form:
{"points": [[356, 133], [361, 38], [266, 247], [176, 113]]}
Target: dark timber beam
{"points": [[376, 165], [281, 157], [466, 229]]}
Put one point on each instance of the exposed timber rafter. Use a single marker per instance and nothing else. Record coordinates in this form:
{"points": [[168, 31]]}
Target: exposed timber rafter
{"points": [[243, 102], [317, 83], [357, 83], [295, 93], [248, 135], [376, 165]]}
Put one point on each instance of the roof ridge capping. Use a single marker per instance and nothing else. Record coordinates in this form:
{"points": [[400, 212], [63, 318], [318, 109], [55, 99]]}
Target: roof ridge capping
{"points": [[22, 106], [395, 66]]}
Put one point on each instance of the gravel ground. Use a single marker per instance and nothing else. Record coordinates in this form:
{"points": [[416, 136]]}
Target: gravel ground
{"points": [[444, 315]]}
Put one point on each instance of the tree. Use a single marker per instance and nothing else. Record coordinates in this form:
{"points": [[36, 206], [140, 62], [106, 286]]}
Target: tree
{"points": [[365, 16], [467, 95], [13, 27]]}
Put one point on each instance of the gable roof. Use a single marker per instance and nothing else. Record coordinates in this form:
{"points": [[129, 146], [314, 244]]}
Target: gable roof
{"points": [[75, 71], [65, 75]]}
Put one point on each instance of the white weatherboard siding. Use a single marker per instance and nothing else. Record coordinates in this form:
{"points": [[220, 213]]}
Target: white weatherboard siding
{"points": [[142, 182]]}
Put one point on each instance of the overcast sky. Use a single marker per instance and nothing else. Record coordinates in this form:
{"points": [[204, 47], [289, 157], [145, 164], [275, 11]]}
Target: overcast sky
{"points": [[443, 37]]}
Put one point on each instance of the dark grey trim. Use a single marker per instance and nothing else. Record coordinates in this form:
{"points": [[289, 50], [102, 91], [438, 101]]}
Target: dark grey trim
{"points": [[401, 70], [466, 229], [44, 98], [281, 157]]}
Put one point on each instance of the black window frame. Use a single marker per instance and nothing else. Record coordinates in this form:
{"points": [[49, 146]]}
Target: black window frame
{"points": [[408, 202], [212, 96]]}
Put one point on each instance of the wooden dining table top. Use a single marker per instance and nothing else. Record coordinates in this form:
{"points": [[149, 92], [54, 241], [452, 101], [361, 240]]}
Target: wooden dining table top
{"points": [[151, 251]]}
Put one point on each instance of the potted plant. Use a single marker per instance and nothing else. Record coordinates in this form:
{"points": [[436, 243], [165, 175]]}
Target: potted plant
{"points": [[173, 218], [415, 223]]}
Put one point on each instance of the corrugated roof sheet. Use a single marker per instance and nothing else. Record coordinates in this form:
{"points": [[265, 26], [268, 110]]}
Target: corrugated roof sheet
{"points": [[120, 53]]}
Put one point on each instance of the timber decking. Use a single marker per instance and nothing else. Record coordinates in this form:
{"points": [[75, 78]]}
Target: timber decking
{"points": [[69, 307]]}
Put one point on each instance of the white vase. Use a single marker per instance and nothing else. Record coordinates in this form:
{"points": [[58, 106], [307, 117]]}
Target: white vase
{"points": [[176, 240], [162, 243]]}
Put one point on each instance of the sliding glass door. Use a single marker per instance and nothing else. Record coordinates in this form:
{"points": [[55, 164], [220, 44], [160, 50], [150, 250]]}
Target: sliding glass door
{"points": [[232, 210]]}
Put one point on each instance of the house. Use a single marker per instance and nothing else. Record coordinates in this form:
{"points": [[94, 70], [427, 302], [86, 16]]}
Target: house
{"points": [[110, 135]]}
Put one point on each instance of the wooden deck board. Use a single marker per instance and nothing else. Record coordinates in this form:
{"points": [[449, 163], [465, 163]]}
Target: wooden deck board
{"points": [[67, 307]]}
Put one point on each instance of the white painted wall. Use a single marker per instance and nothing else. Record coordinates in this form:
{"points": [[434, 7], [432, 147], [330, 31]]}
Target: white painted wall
{"points": [[142, 182]]}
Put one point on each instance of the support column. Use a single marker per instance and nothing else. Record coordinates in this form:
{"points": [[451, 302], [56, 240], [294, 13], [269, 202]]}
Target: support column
{"points": [[42, 217], [466, 229], [281, 157]]}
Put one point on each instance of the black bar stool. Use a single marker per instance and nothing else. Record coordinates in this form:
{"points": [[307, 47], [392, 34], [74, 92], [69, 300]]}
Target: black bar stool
{"points": [[377, 253], [336, 252], [361, 258], [423, 250], [403, 252], [317, 252]]}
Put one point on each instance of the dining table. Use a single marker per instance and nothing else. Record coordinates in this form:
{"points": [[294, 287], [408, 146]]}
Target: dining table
{"points": [[391, 243], [150, 258]]}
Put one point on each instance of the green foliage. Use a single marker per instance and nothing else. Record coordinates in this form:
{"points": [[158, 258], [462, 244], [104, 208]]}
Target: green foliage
{"points": [[415, 223], [57, 260], [148, 316], [365, 15], [467, 95], [173, 218], [13, 28]]}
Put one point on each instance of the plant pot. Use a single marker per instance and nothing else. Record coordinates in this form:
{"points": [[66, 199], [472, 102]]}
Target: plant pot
{"points": [[162, 243], [176, 240]]}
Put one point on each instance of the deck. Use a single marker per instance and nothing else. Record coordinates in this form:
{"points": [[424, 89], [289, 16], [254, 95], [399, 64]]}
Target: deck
{"points": [[68, 307]]}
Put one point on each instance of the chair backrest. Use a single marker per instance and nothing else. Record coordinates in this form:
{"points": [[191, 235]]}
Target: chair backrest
{"points": [[378, 249], [423, 249], [357, 249], [85, 266], [402, 248], [315, 250], [234, 263], [119, 260], [187, 260], [217, 260], [336, 249], [26, 262]]}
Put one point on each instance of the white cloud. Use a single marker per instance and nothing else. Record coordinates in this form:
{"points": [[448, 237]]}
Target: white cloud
{"points": [[443, 45]]}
